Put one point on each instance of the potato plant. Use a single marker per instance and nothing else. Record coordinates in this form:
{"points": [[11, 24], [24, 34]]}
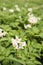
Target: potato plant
{"points": [[21, 32]]}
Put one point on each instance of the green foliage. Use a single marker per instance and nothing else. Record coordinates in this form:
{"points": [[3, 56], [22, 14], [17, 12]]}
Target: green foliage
{"points": [[11, 23]]}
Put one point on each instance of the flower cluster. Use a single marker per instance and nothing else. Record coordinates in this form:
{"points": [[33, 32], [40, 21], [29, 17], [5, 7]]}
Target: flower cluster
{"points": [[32, 19], [17, 43]]}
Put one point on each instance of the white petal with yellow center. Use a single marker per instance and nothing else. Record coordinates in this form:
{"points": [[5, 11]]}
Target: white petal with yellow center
{"points": [[14, 43]]}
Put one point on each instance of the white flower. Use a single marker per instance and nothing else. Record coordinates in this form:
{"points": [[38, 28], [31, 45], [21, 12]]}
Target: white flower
{"points": [[17, 44], [32, 19], [30, 9], [18, 39], [4, 8], [29, 14], [27, 26], [1, 34], [19, 17], [14, 43], [0, 30], [22, 45], [11, 10], [16, 5], [4, 33], [18, 9], [39, 18]]}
